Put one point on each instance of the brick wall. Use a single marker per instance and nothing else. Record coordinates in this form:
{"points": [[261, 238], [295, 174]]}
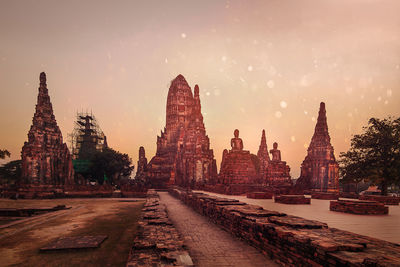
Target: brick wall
{"points": [[291, 240]]}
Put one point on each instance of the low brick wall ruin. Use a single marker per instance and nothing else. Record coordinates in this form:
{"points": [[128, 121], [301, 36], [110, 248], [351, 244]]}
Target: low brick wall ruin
{"points": [[324, 195], [291, 240], [243, 189], [359, 207], [30, 191], [292, 199], [387, 200], [260, 195], [157, 243]]}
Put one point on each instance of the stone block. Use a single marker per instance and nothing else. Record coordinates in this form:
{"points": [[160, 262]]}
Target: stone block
{"points": [[292, 199], [260, 195], [75, 242], [361, 207], [325, 195]]}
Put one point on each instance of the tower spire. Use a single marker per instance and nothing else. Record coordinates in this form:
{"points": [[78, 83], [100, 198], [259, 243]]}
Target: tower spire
{"points": [[45, 157], [197, 104], [262, 153], [321, 134], [42, 79], [319, 170]]}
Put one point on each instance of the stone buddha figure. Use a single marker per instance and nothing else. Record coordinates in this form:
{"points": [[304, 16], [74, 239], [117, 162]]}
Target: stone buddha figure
{"points": [[236, 142], [276, 153]]}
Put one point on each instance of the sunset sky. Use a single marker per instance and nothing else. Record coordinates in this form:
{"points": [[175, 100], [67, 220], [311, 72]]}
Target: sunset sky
{"points": [[259, 65]]}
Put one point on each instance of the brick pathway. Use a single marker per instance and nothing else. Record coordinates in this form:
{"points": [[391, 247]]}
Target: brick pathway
{"points": [[208, 244]]}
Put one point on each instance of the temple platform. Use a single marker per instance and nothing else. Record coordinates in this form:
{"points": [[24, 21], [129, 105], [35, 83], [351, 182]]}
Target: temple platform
{"points": [[361, 207], [292, 199], [387, 200], [260, 195]]}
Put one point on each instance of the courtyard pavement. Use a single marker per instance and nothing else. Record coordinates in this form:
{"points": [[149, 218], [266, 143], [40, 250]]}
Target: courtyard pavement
{"points": [[208, 244]]}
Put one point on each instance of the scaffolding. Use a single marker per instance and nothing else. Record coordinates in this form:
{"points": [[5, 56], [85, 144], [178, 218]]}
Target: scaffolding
{"points": [[87, 137]]}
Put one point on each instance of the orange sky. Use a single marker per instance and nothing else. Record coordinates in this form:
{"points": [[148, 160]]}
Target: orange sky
{"points": [[259, 64]]}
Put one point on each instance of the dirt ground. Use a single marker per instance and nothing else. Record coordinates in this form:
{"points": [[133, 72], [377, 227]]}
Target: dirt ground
{"points": [[21, 240]]}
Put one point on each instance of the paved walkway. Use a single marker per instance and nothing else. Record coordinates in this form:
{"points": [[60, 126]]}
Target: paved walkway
{"points": [[208, 244]]}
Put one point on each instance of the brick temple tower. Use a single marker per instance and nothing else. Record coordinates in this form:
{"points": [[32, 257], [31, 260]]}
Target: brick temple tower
{"points": [[263, 155], [183, 154], [45, 157], [319, 170], [141, 164]]}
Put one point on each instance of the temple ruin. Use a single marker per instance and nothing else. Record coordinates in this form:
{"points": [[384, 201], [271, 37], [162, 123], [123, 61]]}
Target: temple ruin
{"points": [[273, 172], [45, 157], [319, 170], [237, 166], [183, 155], [243, 172], [141, 164]]}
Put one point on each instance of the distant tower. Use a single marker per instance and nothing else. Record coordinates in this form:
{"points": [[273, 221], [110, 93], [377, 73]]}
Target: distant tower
{"points": [[45, 158], [87, 137], [319, 170], [263, 155], [141, 164]]}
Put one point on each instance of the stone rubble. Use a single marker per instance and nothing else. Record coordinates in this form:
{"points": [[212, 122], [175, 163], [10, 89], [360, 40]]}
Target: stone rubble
{"points": [[291, 240], [157, 243]]}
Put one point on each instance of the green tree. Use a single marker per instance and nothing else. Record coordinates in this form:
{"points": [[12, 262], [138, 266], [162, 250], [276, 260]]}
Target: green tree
{"points": [[109, 165], [374, 155], [4, 153], [11, 171]]}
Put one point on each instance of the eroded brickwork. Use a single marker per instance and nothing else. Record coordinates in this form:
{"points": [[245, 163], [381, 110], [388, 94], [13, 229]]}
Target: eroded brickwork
{"points": [[45, 157], [157, 242], [183, 154], [319, 170], [292, 240]]}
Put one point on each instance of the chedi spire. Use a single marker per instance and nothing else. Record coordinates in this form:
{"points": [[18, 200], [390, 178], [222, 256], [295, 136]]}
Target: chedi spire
{"points": [[45, 158], [321, 134], [197, 105], [263, 148], [141, 164], [263, 155], [319, 170]]}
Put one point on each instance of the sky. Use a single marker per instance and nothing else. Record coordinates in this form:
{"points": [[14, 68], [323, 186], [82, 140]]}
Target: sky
{"points": [[259, 65]]}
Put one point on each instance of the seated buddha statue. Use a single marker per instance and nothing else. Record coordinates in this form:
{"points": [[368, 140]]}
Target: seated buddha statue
{"points": [[276, 153], [236, 142]]}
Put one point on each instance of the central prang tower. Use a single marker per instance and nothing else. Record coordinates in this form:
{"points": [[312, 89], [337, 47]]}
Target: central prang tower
{"points": [[183, 154]]}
